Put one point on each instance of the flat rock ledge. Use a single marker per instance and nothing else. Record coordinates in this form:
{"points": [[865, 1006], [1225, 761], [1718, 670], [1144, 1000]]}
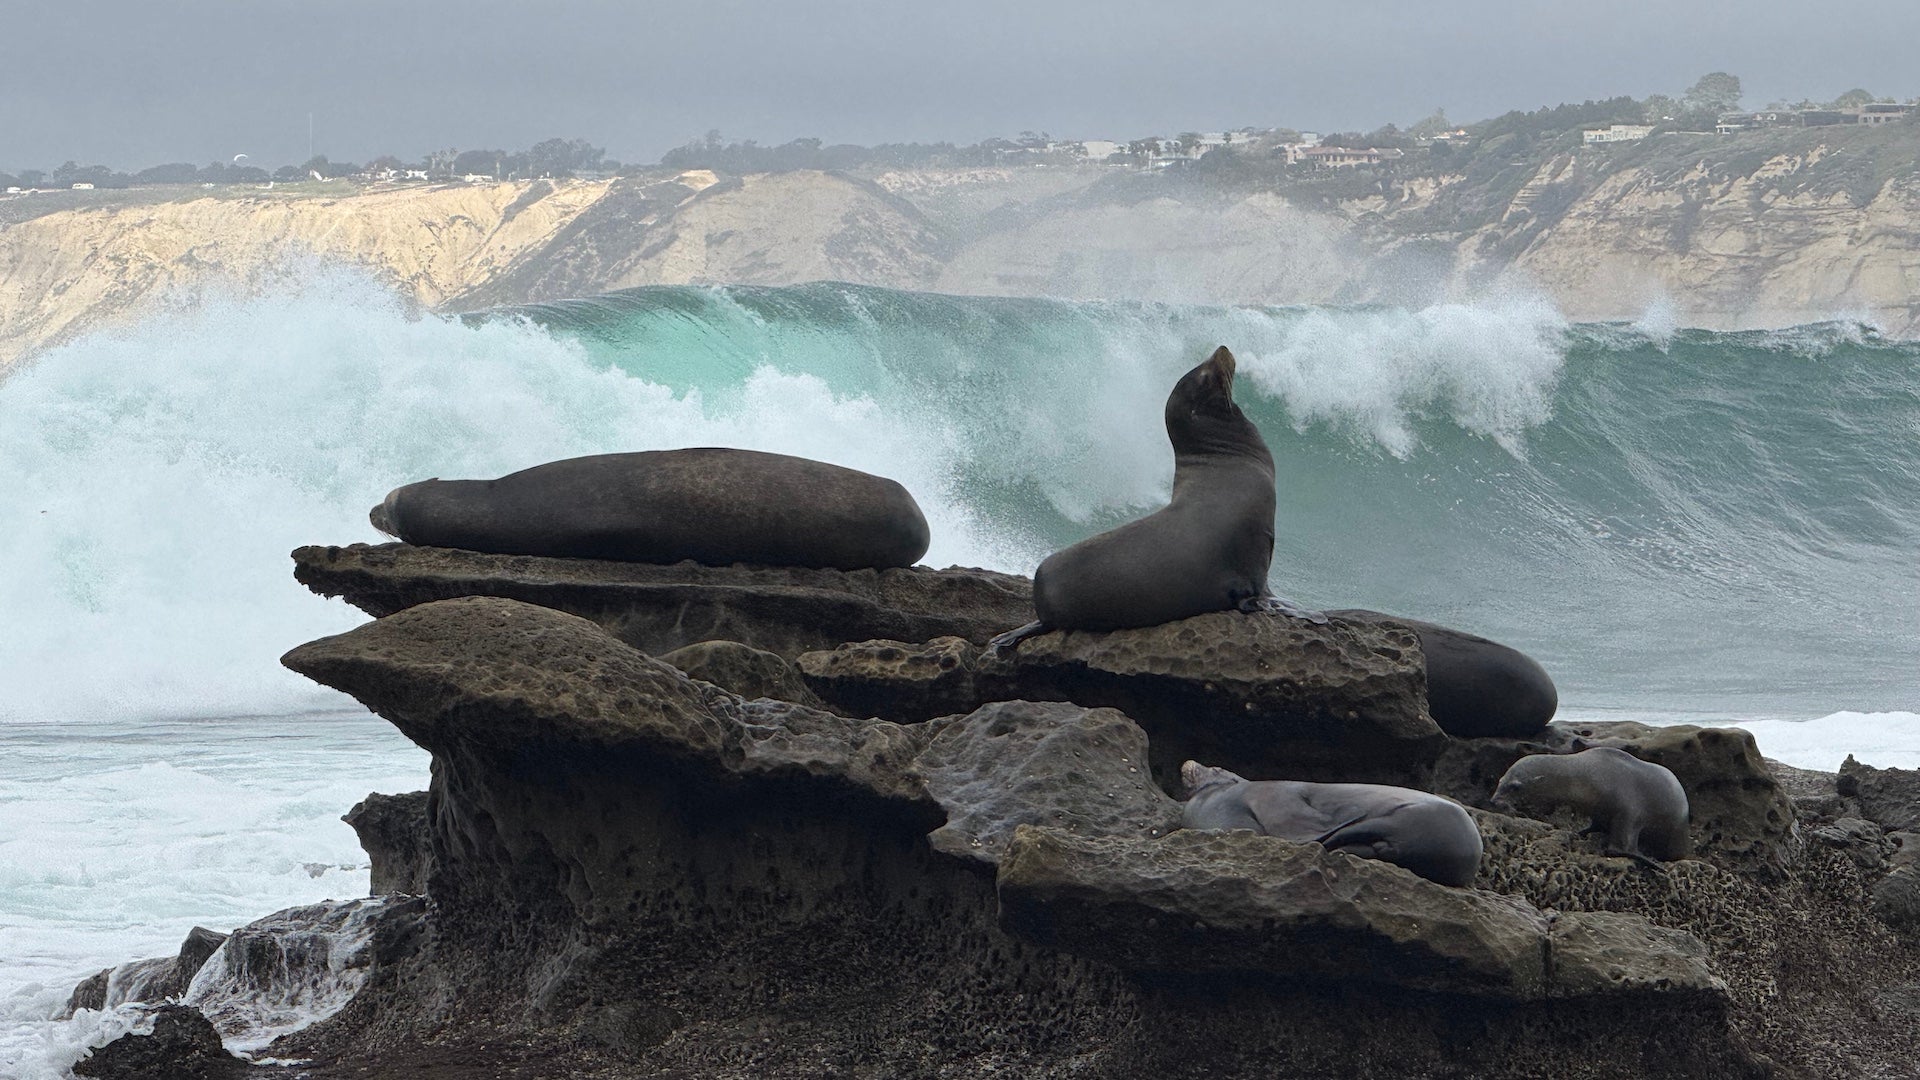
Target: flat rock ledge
{"points": [[658, 608], [1259, 694], [637, 873]]}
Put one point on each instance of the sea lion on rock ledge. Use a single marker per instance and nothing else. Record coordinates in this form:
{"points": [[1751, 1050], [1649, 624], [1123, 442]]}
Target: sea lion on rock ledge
{"points": [[1429, 834], [712, 505], [1207, 550], [1639, 805]]}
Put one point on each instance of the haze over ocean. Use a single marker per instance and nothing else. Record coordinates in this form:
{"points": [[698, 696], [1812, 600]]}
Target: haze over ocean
{"points": [[1678, 524]]}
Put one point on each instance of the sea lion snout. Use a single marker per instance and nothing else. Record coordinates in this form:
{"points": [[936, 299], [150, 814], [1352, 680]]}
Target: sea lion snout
{"points": [[382, 514]]}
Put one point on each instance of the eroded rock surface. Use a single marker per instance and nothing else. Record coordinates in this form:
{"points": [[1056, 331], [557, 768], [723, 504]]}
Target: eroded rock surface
{"points": [[1888, 796], [1262, 695], [1012, 763], [182, 1046], [161, 978], [744, 670], [637, 873], [784, 610], [393, 831]]}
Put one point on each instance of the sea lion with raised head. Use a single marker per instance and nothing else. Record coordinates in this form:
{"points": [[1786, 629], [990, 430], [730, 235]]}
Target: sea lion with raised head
{"points": [[1207, 550], [1639, 805], [1429, 834], [712, 505]]}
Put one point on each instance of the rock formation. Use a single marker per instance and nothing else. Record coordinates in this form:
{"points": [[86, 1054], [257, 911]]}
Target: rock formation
{"points": [[632, 872]]}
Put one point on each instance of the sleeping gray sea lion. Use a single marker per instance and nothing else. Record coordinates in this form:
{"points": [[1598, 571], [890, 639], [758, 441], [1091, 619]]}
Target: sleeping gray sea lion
{"points": [[711, 505], [1639, 805], [1429, 834], [1207, 550]]}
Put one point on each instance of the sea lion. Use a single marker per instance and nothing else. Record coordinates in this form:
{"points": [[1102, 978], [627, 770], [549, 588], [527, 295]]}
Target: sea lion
{"points": [[1207, 550], [711, 505], [1429, 834], [1639, 805], [1476, 687]]}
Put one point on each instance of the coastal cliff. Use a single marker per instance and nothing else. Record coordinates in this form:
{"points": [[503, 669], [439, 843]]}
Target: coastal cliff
{"points": [[1775, 229]]}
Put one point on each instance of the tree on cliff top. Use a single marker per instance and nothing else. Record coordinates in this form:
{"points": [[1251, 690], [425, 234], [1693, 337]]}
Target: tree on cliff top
{"points": [[1717, 92]]}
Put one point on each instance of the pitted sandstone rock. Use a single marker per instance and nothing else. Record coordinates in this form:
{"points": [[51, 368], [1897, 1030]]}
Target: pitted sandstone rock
{"points": [[1262, 695], [744, 670], [782, 609], [1011, 763]]}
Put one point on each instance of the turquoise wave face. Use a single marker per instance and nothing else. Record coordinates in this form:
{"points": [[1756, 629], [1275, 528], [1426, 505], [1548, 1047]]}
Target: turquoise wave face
{"points": [[1674, 523], [1693, 522]]}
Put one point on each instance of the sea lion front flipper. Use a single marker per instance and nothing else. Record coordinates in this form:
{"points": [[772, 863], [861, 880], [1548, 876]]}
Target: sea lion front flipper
{"points": [[1004, 644], [1278, 605]]}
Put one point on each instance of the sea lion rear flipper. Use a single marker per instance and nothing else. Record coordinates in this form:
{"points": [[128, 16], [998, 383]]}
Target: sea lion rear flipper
{"points": [[1276, 605], [1007, 642]]}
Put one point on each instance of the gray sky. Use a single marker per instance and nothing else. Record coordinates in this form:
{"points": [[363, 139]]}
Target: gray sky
{"points": [[132, 83]]}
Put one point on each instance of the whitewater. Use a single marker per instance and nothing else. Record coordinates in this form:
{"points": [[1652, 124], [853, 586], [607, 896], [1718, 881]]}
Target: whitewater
{"points": [[1680, 525]]}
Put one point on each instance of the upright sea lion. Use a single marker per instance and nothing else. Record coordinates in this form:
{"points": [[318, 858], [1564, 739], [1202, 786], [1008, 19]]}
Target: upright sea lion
{"points": [[1639, 805], [711, 505], [1429, 834], [1206, 550]]}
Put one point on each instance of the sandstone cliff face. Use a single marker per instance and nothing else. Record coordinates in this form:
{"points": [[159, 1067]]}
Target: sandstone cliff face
{"points": [[1751, 244]]}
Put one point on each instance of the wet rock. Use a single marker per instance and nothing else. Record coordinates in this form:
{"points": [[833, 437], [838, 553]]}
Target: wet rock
{"points": [[784, 610], [160, 978], [393, 832], [1263, 696], [744, 670], [1888, 796], [1906, 848], [1896, 901], [1012, 763], [1863, 841], [1815, 794], [182, 1046]]}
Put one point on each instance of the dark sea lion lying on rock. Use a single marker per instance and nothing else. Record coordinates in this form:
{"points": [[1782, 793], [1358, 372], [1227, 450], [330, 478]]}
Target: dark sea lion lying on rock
{"points": [[711, 505], [1639, 805], [1429, 834], [1207, 550], [1476, 687]]}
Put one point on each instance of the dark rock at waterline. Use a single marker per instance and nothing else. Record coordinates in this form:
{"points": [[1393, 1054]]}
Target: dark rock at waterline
{"points": [[161, 978], [1476, 687], [1263, 696], [784, 610], [744, 670], [1888, 796], [183, 1046], [393, 831]]}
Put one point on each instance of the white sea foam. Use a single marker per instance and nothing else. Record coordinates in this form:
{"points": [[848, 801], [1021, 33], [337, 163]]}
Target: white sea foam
{"points": [[118, 838], [1887, 740], [1490, 369]]}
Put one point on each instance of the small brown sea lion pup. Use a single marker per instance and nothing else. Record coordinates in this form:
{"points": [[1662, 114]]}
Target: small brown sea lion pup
{"points": [[1207, 550], [1639, 805], [710, 504], [1429, 834]]}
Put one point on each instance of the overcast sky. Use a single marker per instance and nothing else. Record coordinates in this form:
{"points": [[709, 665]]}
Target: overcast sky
{"points": [[133, 83]]}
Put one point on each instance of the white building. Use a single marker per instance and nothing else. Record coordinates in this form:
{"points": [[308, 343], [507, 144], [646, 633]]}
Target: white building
{"points": [[1618, 133], [83, 186]]}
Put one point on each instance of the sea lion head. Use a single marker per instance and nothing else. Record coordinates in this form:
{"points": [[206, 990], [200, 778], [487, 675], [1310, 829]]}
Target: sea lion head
{"points": [[1196, 777], [385, 514], [1524, 784], [1201, 413]]}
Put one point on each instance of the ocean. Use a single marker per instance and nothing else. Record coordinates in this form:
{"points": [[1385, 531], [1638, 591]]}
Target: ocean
{"points": [[1681, 525]]}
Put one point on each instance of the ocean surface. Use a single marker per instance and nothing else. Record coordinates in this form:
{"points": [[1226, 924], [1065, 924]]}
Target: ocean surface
{"points": [[1681, 525]]}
